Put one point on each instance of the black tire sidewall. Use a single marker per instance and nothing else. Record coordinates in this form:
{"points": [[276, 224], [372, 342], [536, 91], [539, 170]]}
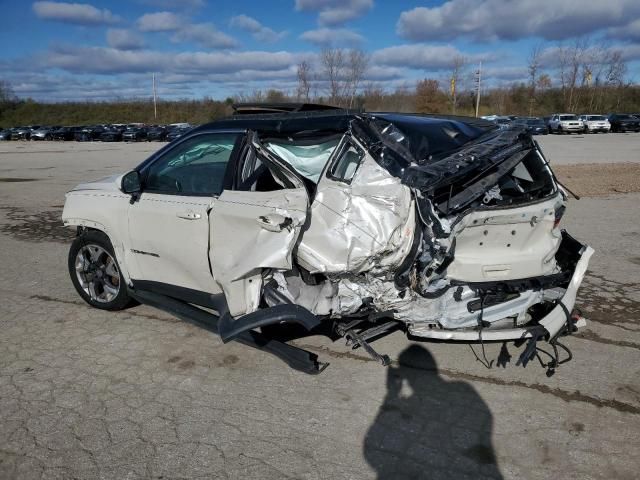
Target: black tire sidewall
{"points": [[122, 300]]}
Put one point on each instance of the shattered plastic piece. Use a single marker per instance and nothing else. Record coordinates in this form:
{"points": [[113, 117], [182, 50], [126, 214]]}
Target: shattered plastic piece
{"points": [[492, 194]]}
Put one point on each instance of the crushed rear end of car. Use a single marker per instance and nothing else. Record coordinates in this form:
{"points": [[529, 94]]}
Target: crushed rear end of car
{"points": [[446, 230]]}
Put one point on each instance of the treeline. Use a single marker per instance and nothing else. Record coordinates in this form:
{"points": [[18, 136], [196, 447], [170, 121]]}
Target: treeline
{"points": [[30, 112], [427, 96]]}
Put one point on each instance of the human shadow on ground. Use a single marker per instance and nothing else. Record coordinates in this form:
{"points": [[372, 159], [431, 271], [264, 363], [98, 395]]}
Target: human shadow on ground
{"points": [[429, 427]]}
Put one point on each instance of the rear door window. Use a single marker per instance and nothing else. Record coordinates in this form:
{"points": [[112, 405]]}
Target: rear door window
{"points": [[346, 163]]}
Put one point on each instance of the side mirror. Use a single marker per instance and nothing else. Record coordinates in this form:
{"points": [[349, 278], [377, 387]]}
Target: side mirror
{"points": [[131, 184]]}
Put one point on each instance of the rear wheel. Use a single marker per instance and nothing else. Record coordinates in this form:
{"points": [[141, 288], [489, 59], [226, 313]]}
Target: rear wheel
{"points": [[95, 273]]}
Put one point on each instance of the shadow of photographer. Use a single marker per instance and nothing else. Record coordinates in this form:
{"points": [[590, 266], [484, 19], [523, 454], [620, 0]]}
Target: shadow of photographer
{"points": [[429, 427]]}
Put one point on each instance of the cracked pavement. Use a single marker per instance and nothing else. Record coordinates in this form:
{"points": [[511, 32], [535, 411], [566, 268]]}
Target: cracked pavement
{"points": [[139, 394]]}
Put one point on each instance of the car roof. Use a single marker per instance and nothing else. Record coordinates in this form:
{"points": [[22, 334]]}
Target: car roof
{"points": [[337, 120]]}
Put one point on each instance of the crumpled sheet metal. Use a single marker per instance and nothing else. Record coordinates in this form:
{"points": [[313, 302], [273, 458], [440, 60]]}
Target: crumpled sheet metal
{"points": [[319, 299], [365, 226], [452, 314], [420, 312], [240, 249], [407, 306]]}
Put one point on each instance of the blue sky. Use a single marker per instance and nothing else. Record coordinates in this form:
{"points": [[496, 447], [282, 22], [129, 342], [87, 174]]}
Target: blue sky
{"points": [[100, 49]]}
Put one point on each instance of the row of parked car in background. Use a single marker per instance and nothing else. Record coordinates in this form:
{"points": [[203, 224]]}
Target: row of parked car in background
{"points": [[132, 132], [136, 132], [570, 123]]}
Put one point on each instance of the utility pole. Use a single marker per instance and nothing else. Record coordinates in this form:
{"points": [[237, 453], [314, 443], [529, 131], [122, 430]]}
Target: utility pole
{"points": [[478, 79], [155, 107]]}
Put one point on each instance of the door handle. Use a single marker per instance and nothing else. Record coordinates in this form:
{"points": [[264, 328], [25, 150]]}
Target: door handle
{"points": [[188, 215], [274, 222]]}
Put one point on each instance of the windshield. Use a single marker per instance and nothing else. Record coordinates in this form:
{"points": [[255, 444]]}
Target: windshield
{"points": [[626, 117], [596, 117], [535, 121], [568, 117]]}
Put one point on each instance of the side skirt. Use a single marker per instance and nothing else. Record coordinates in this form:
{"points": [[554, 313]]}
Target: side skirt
{"points": [[294, 357]]}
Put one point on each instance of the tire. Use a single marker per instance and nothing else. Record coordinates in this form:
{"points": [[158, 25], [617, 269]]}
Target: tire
{"points": [[95, 273]]}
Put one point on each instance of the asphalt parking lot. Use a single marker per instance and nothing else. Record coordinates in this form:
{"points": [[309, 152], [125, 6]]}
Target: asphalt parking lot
{"points": [[138, 394]]}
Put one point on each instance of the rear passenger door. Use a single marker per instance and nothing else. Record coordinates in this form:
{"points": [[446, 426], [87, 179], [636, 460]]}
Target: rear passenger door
{"points": [[361, 216], [168, 226]]}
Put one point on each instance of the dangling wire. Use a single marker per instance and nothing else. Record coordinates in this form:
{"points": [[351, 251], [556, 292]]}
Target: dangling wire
{"points": [[484, 360]]}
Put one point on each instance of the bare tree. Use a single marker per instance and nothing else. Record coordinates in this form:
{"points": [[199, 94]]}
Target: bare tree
{"points": [[543, 82], [457, 68], [570, 61], [7, 97], [356, 68], [304, 81], [534, 69], [333, 63], [616, 69], [6, 92], [594, 61]]}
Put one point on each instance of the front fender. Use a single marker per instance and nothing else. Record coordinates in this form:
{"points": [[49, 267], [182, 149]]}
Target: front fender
{"points": [[103, 211]]}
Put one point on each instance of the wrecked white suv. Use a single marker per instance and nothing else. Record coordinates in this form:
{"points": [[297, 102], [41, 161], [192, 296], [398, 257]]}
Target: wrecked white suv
{"points": [[350, 224]]}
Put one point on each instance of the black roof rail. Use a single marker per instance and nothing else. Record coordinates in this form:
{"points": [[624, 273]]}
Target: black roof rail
{"points": [[283, 107]]}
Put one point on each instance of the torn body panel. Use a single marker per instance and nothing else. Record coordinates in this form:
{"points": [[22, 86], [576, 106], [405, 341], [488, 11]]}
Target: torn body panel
{"points": [[562, 299], [364, 224]]}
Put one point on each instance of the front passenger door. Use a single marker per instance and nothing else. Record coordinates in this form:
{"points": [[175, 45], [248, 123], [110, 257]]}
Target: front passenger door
{"points": [[169, 224]]}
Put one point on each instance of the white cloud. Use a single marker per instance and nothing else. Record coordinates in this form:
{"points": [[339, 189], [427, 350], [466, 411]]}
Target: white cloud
{"points": [[487, 20], [332, 36], [379, 72], [335, 12], [124, 39], [629, 52], [629, 32], [204, 34], [176, 4], [107, 61], [423, 57], [160, 22], [506, 73], [253, 26], [75, 13], [71, 87]]}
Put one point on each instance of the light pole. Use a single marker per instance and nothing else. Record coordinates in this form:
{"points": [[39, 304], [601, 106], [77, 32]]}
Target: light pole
{"points": [[155, 108], [479, 78]]}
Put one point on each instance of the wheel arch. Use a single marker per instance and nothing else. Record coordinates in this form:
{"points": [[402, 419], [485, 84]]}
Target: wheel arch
{"points": [[83, 225]]}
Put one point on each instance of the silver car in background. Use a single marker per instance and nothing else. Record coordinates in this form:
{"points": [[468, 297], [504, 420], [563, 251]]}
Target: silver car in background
{"points": [[565, 123], [595, 123]]}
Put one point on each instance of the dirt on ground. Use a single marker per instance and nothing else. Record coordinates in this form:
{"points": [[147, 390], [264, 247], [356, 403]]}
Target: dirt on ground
{"points": [[599, 179]]}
